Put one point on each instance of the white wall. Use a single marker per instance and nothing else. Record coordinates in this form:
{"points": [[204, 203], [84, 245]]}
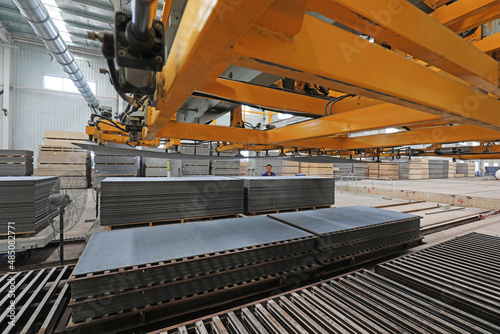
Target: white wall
{"points": [[35, 109]]}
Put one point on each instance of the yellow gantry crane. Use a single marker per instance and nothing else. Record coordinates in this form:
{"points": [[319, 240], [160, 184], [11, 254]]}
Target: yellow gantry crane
{"points": [[354, 66]]}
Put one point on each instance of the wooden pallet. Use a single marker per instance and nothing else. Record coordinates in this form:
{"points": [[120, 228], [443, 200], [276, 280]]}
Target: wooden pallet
{"points": [[169, 222], [288, 210]]}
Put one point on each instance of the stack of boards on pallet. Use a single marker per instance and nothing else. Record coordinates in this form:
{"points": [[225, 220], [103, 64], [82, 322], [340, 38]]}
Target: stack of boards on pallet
{"points": [[195, 167], [225, 167], [137, 200], [116, 165], [174, 261], [438, 169], [348, 230], [465, 169], [24, 202], [16, 163], [287, 192], [155, 167], [58, 156], [383, 170], [174, 269], [410, 170], [317, 169]]}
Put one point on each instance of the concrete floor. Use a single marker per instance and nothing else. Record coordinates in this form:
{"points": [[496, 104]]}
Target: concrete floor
{"points": [[466, 192], [431, 213]]}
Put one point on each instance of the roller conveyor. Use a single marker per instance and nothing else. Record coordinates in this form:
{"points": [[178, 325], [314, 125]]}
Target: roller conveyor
{"points": [[368, 302]]}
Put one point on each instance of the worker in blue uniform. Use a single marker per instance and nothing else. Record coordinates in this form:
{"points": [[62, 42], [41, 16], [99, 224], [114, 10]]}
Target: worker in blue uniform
{"points": [[268, 171]]}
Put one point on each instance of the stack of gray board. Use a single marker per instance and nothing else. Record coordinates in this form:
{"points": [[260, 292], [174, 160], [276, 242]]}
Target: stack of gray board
{"points": [[16, 163], [154, 167], [195, 167], [155, 265], [225, 168], [263, 193], [404, 170], [462, 169], [116, 165], [358, 169], [438, 169], [137, 200], [24, 201], [348, 230]]}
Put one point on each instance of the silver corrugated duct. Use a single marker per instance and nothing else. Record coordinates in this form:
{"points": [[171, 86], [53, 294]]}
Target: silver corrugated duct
{"points": [[38, 17]]}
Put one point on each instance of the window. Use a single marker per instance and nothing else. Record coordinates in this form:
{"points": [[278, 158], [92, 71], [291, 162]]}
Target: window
{"points": [[284, 116], [52, 82]]}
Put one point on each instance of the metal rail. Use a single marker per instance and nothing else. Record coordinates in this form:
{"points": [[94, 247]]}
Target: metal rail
{"points": [[361, 302], [464, 271], [40, 297]]}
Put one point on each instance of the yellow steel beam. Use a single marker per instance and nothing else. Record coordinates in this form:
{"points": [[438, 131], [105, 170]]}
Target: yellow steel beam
{"points": [[436, 3], [153, 8], [382, 116], [403, 26], [448, 134], [461, 10], [212, 133], [488, 44], [345, 62], [165, 14], [276, 99], [477, 19], [207, 28]]}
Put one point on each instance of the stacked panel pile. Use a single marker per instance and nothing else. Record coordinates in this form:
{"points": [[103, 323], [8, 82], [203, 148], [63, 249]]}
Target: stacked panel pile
{"points": [[290, 168], [159, 266], [58, 156], [424, 169], [243, 168], [137, 200], [383, 170], [321, 169], [24, 201], [116, 165], [438, 169], [452, 169], [471, 169], [195, 167], [358, 169], [358, 302], [303, 167], [352, 230], [287, 192], [16, 163], [340, 169], [462, 169], [404, 171], [464, 271], [225, 168], [154, 167]]}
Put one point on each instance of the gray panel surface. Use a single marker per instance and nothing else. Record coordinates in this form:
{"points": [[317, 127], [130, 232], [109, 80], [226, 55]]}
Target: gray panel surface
{"points": [[125, 248], [339, 219]]}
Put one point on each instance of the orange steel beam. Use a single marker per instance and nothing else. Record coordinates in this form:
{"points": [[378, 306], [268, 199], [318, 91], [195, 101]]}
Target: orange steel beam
{"points": [[403, 26], [447, 134], [206, 28], [357, 73]]}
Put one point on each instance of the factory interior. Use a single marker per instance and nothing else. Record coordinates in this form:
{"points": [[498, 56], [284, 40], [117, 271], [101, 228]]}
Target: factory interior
{"points": [[249, 167]]}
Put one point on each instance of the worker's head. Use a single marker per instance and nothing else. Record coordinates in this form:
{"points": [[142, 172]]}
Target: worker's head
{"points": [[268, 168]]}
